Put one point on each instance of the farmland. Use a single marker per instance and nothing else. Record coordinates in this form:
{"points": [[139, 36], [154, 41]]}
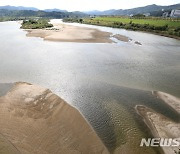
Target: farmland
{"points": [[150, 21], [161, 26]]}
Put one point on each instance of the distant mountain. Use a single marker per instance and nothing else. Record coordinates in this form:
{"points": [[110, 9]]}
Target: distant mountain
{"points": [[96, 12], [155, 10], [8, 7], [54, 10], [20, 11], [79, 14], [138, 10], [39, 13]]}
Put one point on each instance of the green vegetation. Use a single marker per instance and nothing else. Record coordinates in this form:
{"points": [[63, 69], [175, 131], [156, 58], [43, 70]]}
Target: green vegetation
{"points": [[36, 24], [41, 14], [73, 20], [151, 21], [2, 19], [161, 26], [139, 16]]}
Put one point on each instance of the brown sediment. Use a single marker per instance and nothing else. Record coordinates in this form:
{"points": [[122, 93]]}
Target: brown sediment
{"points": [[121, 38], [68, 33], [125, 39], [7, 147], [172, 101], [160, 126], [36, 121]]}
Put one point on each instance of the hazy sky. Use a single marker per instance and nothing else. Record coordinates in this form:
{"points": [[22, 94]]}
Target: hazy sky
{"points": [[85, 5]]}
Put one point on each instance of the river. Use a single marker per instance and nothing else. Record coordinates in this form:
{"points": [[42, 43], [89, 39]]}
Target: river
{"points": [[104, 81]]}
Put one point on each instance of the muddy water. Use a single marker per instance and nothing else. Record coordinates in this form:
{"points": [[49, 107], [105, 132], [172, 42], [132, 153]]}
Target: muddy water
{"points": [[104, 81], [4, 88]]}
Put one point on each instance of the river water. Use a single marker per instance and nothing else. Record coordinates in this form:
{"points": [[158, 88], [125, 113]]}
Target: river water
{"points": [[103, 81]]}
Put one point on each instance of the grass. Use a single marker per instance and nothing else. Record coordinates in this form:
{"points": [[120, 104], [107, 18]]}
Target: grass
{"points": [[151, 21], [161, 26]]}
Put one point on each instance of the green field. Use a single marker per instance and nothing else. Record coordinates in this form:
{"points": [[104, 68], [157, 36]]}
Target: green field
{"points": [[154, 21], [161, 26]]}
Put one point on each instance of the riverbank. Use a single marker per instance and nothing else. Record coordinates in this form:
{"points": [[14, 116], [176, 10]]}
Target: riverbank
{"points": [[162, 27], [172, 101], [159, 125], [36, 121]]}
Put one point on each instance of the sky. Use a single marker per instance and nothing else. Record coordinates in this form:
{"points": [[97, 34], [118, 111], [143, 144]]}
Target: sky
{"points": [[86, 5]]}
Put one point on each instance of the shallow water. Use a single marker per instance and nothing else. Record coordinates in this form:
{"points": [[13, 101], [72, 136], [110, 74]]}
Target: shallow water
{"points": [[4, 88], [104, 81]]}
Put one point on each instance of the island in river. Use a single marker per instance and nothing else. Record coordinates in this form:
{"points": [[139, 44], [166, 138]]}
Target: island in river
{"points": [[68, 33], [160, 125]]}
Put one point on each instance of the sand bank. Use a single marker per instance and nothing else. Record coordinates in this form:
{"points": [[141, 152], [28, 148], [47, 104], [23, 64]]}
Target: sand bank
{"points": [[160, 126], [68, 33], [172, 101], [7, 147], [122, 38], [36, 121]]}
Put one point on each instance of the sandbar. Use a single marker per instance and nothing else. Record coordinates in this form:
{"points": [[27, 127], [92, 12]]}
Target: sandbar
{"points": [[33, 120], [69, 33], [160, 126]]}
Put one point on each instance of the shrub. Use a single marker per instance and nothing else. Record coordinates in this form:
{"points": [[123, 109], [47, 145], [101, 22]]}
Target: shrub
{"points": [[81, 20], [35, 24]]}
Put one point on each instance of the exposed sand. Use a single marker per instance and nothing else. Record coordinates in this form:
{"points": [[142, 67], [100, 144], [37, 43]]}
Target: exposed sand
{"points": [[33, 120], [160, 126], [172, 101], [6, 147], [68, 33], [121, 38]]}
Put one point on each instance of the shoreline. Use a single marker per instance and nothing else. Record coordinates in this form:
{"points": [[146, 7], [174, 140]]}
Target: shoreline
{"points": [[159, 125], [122, 38], [68, 33], [170, 100], [148, 32], [41, 122]]}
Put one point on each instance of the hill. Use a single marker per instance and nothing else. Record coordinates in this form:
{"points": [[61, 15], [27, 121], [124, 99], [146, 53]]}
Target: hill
{"points": [[39, 13], [20, 11], [55, 10], [8, 7], [139, 10]]}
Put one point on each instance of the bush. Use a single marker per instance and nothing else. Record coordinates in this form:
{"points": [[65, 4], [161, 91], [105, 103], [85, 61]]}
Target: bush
{"points": [[139, 16], [177, 29], [81, 20], [35, 24]]}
